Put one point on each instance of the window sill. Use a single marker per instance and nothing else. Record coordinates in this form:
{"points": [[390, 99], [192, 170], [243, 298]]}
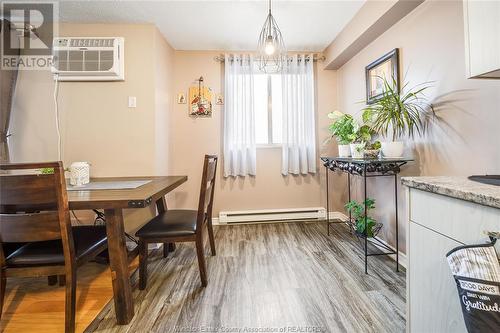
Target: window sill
{"points": [[268, 145]]}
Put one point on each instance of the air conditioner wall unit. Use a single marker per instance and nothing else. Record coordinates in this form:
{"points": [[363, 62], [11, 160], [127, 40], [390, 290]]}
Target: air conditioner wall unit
{"points": [[88, 59]]}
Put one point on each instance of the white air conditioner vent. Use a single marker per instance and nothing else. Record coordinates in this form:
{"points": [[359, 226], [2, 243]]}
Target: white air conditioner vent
{"points": [[88, 59], [92, 42]]}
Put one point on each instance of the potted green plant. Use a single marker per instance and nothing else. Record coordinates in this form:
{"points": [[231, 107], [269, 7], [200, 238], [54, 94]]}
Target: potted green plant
{"points": [[372, 150], [397, 114], [362, 135], [343, 129], [358, 223]]}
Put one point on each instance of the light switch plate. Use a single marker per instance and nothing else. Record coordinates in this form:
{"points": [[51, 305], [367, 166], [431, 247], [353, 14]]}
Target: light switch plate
{"points": [[132, 102]]}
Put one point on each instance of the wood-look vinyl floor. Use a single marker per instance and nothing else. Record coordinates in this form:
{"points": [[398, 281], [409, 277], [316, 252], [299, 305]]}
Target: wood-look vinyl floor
{"points": [[269, 277]]}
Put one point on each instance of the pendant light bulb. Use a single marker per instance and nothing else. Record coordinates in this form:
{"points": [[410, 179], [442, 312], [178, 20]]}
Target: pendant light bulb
{"points": [[269, 49]]}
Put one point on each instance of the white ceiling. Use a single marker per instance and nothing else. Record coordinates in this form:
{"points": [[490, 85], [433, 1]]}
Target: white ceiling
{"points": [[222, 25]]}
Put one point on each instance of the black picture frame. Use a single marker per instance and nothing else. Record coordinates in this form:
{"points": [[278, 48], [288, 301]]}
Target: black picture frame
{"points": [[393, 58]]}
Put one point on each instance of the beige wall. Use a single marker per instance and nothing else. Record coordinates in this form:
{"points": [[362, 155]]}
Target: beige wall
{"points": [[366, 17], [96, 123], [158, 137], [371, 21], [164, 100], [466, 141], [191, 138]]}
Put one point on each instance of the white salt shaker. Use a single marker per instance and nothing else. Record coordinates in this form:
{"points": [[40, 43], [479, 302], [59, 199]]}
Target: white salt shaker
{"points": [[79, 173]]}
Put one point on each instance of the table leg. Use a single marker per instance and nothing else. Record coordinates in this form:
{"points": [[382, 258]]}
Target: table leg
{"points": [[349, 200], [117, 249], [161, 206], [397, 231], [327, 205], [366, 214]]}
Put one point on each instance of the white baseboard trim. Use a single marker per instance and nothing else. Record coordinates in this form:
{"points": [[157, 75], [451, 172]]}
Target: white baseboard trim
{"points": [[338, 216], [402, 256], [215, 221]]}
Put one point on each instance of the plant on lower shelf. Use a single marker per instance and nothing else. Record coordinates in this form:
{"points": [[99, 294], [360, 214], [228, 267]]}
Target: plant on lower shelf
{"points": [[357, 211]]}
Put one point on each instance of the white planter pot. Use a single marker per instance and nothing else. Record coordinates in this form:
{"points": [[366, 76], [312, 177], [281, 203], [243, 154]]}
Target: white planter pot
{"points": [[357, 150], [344, 151], [392, 149]]}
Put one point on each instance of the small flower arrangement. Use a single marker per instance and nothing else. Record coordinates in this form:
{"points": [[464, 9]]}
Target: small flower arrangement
{"points": [[372, 150]]}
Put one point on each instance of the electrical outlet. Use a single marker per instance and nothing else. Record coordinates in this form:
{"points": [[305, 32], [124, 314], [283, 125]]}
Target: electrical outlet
{"points": [[132, 102]]}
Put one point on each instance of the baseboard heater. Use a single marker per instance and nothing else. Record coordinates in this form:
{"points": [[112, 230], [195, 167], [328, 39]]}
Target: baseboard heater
{"points": [[263, 215]]}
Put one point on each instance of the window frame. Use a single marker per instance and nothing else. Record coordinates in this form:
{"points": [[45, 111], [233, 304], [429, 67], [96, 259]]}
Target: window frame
{"points": [[270, 143]]}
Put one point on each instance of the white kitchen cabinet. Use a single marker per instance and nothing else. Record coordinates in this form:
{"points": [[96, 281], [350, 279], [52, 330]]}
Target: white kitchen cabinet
{"points": [[482, 38], [437, 224], [434, 301]]}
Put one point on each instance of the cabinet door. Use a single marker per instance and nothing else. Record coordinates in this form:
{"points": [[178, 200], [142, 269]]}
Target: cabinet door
{"points": [[433, 299], [460, 220], [482, 37]]}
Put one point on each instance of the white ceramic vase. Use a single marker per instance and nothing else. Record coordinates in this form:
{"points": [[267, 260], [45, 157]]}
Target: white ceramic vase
{"points": [[357, 150], [344, 151], [392, 149]]}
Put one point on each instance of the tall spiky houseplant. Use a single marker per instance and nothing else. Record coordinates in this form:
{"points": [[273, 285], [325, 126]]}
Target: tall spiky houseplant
{"points": [[398, 114]]}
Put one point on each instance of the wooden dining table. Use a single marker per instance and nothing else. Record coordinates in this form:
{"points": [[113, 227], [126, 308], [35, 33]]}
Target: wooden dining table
{"points": [[113, 202]]}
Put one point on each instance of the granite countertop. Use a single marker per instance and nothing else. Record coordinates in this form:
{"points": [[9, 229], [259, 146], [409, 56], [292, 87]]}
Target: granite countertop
{"points": [[457, 187]]}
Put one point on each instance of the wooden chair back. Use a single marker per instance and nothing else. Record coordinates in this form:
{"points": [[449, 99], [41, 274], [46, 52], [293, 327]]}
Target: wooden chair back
{"points": [[207, 189], [34, 206]]}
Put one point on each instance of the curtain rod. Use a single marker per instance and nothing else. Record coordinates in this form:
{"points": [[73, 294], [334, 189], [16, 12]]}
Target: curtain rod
{"points": [[316, 57]]}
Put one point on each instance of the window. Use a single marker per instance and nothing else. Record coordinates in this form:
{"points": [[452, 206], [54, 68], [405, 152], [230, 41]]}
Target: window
{"points": [[268, 109]]}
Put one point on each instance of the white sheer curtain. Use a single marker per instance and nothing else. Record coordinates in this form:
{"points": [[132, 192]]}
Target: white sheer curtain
{"points": [[299, 133], [239, 117]]}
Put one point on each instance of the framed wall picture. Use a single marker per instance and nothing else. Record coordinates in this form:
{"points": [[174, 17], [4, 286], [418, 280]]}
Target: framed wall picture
{"points": [[200, 100], [386, 67]]}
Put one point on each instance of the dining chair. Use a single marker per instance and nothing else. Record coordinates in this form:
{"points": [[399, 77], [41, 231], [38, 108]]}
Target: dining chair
{"points": [[34, 212], [182, 225]]}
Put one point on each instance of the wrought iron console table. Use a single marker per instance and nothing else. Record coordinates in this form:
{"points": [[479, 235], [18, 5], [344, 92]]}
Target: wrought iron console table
{"points": [[367, 168]]}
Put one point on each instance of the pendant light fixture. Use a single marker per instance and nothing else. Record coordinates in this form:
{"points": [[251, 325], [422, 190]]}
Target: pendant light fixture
{"points": [[271, 48]]}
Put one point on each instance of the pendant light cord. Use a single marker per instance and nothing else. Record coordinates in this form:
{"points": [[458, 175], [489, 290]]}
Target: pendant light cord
{"points": [[270, 14]]}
